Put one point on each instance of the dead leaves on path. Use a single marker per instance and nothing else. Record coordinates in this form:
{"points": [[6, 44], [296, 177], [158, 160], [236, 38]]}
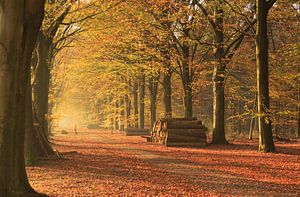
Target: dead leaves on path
{"points": [[101, 164]]}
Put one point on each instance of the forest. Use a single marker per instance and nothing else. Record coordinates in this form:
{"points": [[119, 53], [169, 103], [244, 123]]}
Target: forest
{"points": [[149, 98]]}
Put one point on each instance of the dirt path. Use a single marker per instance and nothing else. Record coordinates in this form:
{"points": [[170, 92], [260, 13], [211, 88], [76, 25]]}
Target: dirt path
{"points": [[100, 164]]}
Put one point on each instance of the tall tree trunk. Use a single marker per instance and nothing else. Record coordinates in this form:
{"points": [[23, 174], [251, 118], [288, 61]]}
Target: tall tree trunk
{"points": [[266, 143], [218, 78], [128, 111], [167, 93], [298, 122], [116, 116], [142, 101], [42, 83], [153, 89], [31, 149], [36, 143], [298, 125], [253, 118], [122, 115], [186, 82], [167, 84], [19, 24], [135, 104], [240, 118]]}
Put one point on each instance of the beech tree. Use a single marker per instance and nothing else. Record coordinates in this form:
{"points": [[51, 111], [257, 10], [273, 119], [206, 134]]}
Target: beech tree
{"points": [[225, 46], [266, 143], [19, 26]]}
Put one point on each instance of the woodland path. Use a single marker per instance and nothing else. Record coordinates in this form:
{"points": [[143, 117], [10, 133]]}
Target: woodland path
{"points": [[97, 163]]}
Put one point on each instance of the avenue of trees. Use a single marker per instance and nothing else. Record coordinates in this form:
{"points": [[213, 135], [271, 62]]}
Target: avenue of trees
{"points": [[233, 64]]}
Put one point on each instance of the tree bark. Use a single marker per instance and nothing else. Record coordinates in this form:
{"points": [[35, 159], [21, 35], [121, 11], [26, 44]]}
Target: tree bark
{"points": [[187, 82], [218, 79], [36, 143], [240, 118], [298, 124], [266, 143], [116, 116], [135, 104], [42, 82], [31, 154], [19, 24], [153, 89], [167, 93], [142, 102], [128, 111], [122, 115]]}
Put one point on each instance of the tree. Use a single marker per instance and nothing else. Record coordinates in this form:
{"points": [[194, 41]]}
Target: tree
{"points": [[153, 91], [266, 143], [225, 45], [19, 25]]}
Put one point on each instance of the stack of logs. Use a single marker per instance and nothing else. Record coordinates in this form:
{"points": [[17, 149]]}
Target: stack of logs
{"points": [[179, 132], [136, 132]]}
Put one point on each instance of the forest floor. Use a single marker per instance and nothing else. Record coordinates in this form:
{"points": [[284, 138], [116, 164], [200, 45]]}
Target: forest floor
{"points": [[97, 163]]}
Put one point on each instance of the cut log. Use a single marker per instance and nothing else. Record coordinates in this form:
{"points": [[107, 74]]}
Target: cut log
{"points": [[136, 132], [93, 126], [187, 132], [178, 136], [185, 140], [180, 132], [147, 137], [185, 125]]}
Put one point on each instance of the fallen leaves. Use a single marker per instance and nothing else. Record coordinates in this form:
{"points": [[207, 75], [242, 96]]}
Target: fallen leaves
{"points": [[100, 164]]}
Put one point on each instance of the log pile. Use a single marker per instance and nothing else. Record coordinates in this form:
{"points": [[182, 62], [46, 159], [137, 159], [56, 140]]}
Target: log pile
{"points": [[179, 132], [93, 126], [136, 132]]}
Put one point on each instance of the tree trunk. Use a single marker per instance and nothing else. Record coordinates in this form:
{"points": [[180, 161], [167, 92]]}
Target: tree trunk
{"points": [[266, 143], [31, 153], [128, 111], [135, 104], [142, 102], [167, 84], [186, 82], [298, 125], [36, 143], [167, 94], [19, 24], [276, 118], [253, 118], [218, 79], [122, 115], [240, 118], [116, 116], [298, 122], [42, 82], [234, 119], [153, 89]]}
